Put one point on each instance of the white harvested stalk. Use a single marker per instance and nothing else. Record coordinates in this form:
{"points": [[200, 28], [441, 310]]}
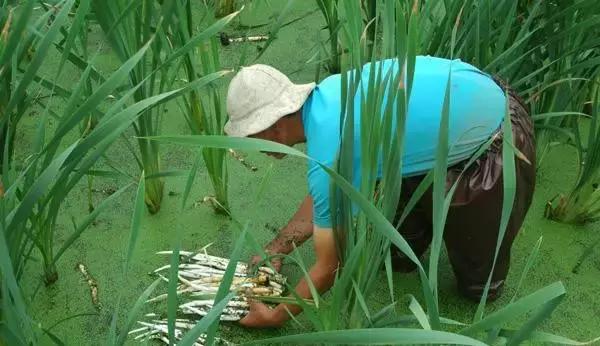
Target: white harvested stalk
{"points": [[152, 333], [209, 303], [179, 323], [202, 283], [227, 315], [266, 270], [209, 290], [160, 327], [93, 285], [278, 278], [204, 272], [163, 278], [242, 160], [190, 284], [212, 286], [164, 296], [148, 335], [193, 275], [201, 287], [162, 268], [185, 266], [212, 278], [261, 291], [137, 330], [208, 260], [226, 40], [275, 285]]}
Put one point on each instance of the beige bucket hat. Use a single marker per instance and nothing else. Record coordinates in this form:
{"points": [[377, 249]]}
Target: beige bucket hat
{"points": [[258, 96]]}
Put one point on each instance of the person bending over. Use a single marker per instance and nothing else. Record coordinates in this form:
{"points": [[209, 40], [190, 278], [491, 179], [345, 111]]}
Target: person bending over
{"points": [[263, 103]]}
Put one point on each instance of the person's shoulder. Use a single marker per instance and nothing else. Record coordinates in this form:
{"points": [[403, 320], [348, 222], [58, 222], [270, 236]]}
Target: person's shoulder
{"points": [[327, 94], [432, 63], [330, 82]]}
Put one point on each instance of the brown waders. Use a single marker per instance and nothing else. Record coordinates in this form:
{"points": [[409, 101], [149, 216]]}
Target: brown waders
{"points": [[471, 230]]}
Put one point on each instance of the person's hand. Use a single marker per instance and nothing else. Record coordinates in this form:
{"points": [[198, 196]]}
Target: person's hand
{"points": [[261, 316], [275, 262]]}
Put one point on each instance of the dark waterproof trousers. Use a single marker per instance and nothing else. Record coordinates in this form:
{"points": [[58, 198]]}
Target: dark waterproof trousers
{"points": [[471, 230]]}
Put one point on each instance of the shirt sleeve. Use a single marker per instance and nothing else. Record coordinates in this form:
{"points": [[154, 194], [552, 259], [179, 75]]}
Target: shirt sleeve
{"points": [[318, 187]]}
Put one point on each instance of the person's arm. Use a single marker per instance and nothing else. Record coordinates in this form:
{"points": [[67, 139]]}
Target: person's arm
{"points": [[296, 232], [322, 275]]}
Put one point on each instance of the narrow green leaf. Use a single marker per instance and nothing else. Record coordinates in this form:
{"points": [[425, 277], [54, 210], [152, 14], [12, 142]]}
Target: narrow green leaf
{"points": [[227, 280], [508, 313], [172, 299], [547, 338], [277, 24], [37, 190], [190, 180], [138, 212], [374, 336], [77, 25], [419, 313], [190, 338], [532, 323], [509, 185], [530, 261], [543, 116], [135, 312]]}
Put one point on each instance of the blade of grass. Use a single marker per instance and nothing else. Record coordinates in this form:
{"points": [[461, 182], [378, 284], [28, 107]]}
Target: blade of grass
{"points": [[190, 180], [530, 261], [547, 338], [135, 312], [277, 24], [509, 192], [172, 299], [419, 313], [510, 312], [527, 328], [138, 212], [226, 281], [39, 187], [374, 336], [190, 338]]}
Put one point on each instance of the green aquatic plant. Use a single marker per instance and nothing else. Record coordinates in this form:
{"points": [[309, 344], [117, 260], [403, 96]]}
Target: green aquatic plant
{"points": [[177, 45], [581, 205], [330, 11], [128, 27], [205, 114]]}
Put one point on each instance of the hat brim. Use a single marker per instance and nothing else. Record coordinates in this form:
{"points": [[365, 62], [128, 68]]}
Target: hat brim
{"points": [[290, 101]]}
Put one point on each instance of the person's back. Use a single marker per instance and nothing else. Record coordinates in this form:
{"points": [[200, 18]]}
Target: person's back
{"points": [[477, 107]]}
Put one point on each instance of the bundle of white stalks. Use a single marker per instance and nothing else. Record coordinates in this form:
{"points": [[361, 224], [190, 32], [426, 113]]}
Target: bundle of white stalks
{"points": [[201, 274], [157, 329], [199, 278]]}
